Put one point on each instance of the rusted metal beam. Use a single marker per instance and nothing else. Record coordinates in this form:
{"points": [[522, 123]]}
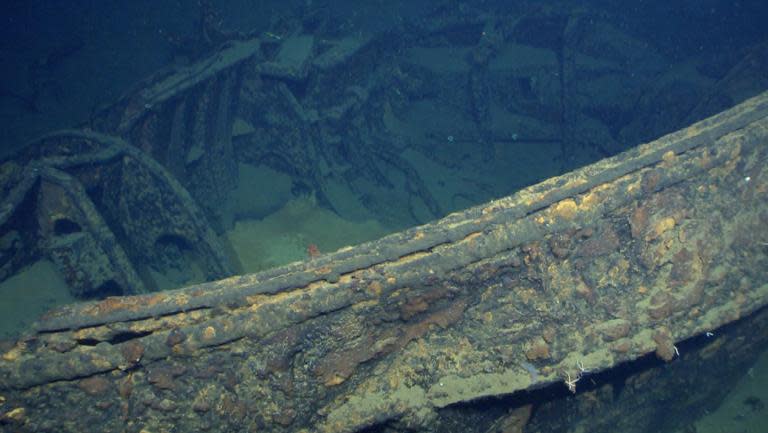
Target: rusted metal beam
{"points": [[584, 271]]}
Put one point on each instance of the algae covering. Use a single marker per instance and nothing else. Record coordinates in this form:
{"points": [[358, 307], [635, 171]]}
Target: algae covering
{"points": [[545, 291]]}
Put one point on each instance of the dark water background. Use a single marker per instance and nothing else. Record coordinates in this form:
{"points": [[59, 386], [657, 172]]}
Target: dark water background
{"points": [[61, 59]]}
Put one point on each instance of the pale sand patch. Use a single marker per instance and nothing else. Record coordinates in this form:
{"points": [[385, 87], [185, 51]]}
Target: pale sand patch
{"points": [[27, 295], [283, 237]]}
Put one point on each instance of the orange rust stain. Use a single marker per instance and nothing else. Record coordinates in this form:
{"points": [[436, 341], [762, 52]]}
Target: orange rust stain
{"points": [[704, 161], [691, 131], [119, 303], [421, 303], [15, 352], [638, 222], [347, 278], [337, 367], [154, 300], [181, 299], [411, 257], [590, 200], [375, 288], [334, 379], [256, 299], [472, 236], [209, 333], [308, 288], [443, 319], [661, 226], [489, 209], [413, 307], [572, 182], [566, 209], [113, 304]]}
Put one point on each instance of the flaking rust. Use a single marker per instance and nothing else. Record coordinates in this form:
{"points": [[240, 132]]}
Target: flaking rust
{"points": [[625, 258]]}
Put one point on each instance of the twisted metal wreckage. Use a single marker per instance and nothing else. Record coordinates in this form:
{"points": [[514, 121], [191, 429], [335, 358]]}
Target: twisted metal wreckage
{"points": [[468, 323]]}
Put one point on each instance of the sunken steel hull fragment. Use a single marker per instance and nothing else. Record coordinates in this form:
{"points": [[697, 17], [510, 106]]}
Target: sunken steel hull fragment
{"points": [[584, 271]]}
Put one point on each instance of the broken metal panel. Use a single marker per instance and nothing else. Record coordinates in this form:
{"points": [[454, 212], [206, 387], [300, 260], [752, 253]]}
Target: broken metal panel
{"points": [[584, 271], [184, 121], [105, 211], [75, 237], [157, 90], [296, 103]]}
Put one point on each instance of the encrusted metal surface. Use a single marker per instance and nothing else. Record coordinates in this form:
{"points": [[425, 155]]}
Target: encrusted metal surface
{"points": [[584, 271]]}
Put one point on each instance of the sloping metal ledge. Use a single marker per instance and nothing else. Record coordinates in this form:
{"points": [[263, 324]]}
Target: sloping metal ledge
{"points": [[583, 271]]}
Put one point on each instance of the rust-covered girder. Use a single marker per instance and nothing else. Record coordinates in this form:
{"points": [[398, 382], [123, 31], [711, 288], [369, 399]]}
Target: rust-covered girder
{"points": [[584, 271]]}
